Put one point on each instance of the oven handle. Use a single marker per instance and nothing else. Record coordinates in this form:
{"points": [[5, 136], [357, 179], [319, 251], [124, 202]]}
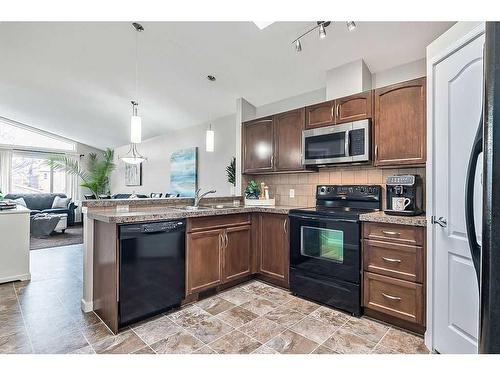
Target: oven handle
{"points": [[322, 218]]}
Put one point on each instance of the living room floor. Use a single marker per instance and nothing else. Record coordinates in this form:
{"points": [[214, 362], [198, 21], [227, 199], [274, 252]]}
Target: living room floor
{"points": [[43, 316], [72, 235]]}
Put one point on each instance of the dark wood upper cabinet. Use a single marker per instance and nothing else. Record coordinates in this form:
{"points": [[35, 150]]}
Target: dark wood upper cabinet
{"points": [[321, 114], [274, 248], [258, 145], [354, 107], [288, 128], [237, 252], [400, 124]]}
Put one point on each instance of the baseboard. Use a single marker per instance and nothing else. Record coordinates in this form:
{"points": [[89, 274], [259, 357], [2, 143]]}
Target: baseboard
{"points": [[22, 277], [86, 306]]}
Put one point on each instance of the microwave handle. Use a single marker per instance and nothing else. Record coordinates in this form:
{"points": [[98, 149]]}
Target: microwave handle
{"points": [[346, 143]]}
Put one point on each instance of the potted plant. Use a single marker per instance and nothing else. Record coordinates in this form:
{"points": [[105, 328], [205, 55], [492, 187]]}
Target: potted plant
{"points": [[95, 177], [231, 174], [253, 190]]}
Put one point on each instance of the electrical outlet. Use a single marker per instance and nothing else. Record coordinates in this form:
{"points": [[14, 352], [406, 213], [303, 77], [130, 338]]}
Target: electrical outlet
{"points": [[292, 193]]}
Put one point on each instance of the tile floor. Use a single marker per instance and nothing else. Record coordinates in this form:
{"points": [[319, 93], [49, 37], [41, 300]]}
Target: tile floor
{"points": [[44, 316]]}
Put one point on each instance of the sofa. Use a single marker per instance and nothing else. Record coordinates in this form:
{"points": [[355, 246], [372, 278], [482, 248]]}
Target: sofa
{"points": [[42, 203]]}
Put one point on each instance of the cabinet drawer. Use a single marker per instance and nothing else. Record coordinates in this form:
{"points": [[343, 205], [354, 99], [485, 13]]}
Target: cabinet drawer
{"points": [[398, 298], [404, 234], [215, 222], [397, 260]]}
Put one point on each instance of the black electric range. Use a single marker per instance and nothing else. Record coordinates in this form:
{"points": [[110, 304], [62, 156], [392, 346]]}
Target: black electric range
{"points": [[325, 245]]}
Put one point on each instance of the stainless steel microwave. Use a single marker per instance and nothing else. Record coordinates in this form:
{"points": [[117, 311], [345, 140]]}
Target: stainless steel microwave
{"points": [[344, 143]]}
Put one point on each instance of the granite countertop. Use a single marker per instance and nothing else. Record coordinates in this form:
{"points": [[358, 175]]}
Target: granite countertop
{"points": [[152, 202], [382, 217], [142, 214]]}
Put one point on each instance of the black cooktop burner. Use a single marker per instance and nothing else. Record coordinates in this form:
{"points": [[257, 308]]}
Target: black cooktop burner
{"points": [[344, 201]]}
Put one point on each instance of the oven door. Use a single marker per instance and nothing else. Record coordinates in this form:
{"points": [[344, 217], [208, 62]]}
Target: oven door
{"points": [[325, 246]]}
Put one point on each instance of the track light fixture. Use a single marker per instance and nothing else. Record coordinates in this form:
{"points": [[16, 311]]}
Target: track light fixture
{"points": [[298, 46], [321, 26], [322, 31], [351, 25]]}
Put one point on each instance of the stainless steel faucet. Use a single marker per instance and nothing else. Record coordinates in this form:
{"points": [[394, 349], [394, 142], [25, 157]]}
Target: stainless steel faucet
{"points": [[198, 197]]}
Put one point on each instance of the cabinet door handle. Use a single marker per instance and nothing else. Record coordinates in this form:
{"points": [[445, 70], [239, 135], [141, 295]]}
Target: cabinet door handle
{"points": [[220, 241], [393, 298], [376, 152], [284, 225], [391, 233], [391, 260], [331, 112], [338, 110], [226, 239]]}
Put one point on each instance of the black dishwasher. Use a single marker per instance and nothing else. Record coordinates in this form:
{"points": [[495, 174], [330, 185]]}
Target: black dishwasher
{"points": [[152, 269]]}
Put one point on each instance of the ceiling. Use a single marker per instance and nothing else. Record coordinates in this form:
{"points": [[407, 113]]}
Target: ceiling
{"points": [[77, 79]]}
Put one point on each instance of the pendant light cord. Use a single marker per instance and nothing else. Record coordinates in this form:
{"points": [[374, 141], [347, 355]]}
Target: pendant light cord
{"points": [[137, 66]]}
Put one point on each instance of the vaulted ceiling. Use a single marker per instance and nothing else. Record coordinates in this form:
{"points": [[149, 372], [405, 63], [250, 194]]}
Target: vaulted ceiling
{"points": [[77, 79]]}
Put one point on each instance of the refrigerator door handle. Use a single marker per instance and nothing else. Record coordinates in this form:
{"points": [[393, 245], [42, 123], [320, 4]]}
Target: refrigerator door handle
{"points": [[475, 248]]}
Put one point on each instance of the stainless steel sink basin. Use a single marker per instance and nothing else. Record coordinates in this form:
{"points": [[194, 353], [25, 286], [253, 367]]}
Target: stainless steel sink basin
{"points": [[195, 208]]}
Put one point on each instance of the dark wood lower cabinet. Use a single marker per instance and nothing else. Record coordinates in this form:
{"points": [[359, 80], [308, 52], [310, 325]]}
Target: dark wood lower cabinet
{"points": [[394, 274], [203, 260], [237, 253], [274, 250], [219, 253]]}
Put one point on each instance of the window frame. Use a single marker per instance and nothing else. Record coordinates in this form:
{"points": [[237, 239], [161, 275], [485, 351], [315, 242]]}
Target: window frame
{"points": [[39, 155], [14, 147]]}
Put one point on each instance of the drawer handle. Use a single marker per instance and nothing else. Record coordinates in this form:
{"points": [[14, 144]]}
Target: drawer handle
{"points": [[391, 297], [391, 260], [391, 233]]}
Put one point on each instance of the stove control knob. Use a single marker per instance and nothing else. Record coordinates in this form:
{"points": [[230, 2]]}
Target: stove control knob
{"points": [[322, 190], [328, 189]]}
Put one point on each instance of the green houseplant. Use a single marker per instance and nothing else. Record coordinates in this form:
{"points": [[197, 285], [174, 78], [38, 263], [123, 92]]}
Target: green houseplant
{"points": [[231, 172], [253, 190], [96, 175]]}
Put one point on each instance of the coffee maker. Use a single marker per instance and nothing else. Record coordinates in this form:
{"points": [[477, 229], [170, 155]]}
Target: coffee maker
{"points": [[404, 195]]}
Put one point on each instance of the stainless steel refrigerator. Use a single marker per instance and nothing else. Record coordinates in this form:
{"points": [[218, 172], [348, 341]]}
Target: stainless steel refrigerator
{"points": [[486, 256]]}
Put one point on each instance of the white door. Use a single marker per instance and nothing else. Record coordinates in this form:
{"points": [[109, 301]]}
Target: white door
{"points": [[458, 85]]}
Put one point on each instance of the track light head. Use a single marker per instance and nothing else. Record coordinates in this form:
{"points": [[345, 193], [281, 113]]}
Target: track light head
{"points": [[351, 25], [298, 46], [322, 32], [138, 27]]}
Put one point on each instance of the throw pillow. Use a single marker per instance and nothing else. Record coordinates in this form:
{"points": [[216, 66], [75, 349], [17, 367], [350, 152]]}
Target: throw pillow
{"points": [[19, 201], [60, 202]]}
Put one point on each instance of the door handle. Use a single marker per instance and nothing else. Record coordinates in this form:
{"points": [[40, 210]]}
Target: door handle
{"points": [[226, 240], [391, 233], [441, 221], [337, 111], [346, 143], [284, 226], [376, 152], [393, 298], [391, 260], [470, 225], [331, 112]]}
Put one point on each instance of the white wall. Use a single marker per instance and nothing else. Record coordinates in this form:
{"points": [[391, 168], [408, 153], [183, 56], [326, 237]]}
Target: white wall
{"points": [[400, 73], [348, 79], [156, 170], [307, 98]]}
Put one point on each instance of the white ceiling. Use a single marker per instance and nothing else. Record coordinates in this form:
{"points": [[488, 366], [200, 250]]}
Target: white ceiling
{"points": [[77, 79]]}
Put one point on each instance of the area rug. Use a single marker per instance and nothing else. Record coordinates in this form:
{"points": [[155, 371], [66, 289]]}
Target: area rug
{"points": [[73, 235]]}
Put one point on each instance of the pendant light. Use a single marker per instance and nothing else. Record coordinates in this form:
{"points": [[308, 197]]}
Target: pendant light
{"points": [[133, 156], [210, 134]]}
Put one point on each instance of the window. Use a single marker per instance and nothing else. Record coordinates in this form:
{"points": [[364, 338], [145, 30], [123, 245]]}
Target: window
{"points": [[31, 174], [24, 137]]}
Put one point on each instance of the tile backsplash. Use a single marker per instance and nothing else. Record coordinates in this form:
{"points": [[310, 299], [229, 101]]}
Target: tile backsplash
{"points": [[305, 184]]}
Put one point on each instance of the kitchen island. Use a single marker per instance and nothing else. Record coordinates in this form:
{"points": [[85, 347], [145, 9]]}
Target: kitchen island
{"points": [[224, 246]]}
